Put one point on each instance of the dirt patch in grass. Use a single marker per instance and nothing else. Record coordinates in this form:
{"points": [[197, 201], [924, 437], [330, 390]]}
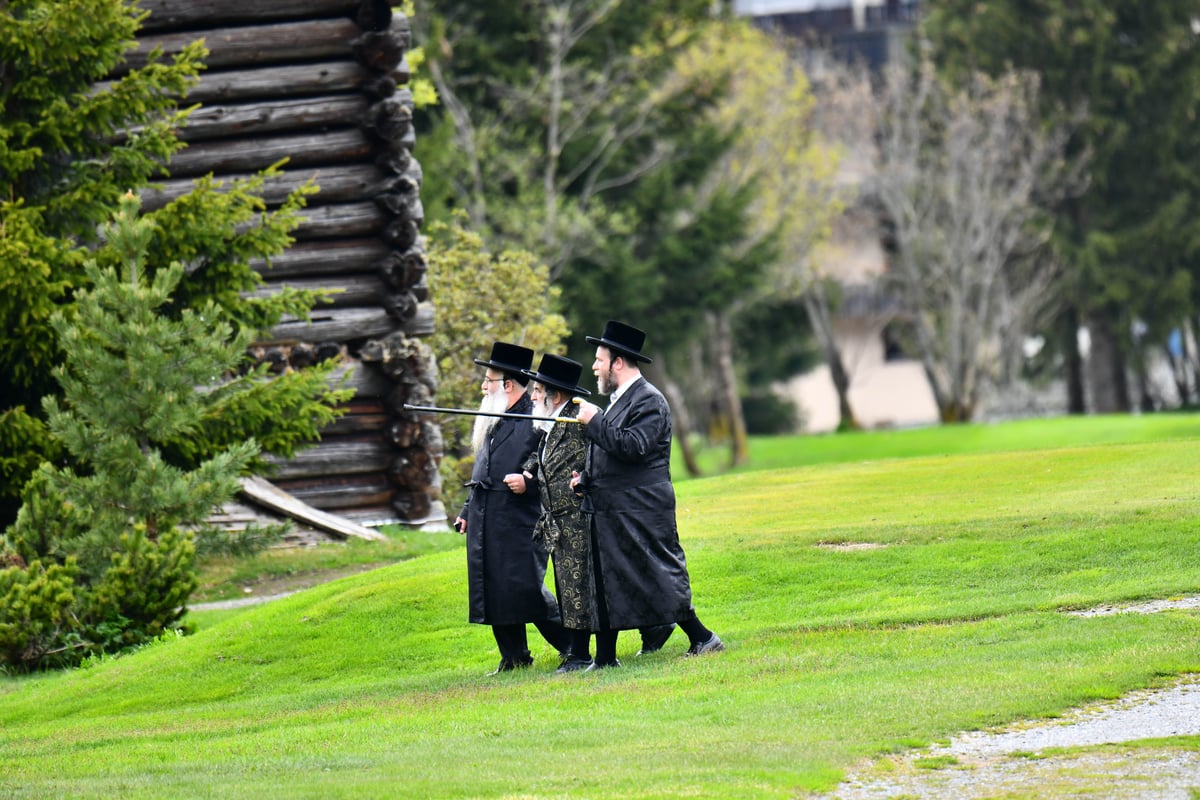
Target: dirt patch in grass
{"points": [[1044, 759], [265, 589]]}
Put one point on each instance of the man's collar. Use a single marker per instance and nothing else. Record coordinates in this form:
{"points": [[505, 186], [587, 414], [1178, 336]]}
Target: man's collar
{"points": [[620, 390]]}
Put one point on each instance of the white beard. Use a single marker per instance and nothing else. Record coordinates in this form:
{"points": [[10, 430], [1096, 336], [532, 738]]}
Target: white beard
{"points": [[495, 403], [542, 408]]}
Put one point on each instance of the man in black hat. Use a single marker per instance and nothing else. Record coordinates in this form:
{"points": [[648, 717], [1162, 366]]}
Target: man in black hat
{"points": [[641, 573], [563, 528], [506, 568]]}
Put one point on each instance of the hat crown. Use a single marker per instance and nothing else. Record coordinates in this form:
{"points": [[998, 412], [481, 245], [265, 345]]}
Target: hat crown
{"points": [[559, 372], [624, 340], [626, 336], [563, 370], [508, 357]]}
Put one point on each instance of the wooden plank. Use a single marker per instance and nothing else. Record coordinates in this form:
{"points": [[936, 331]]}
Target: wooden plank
{"points": [[261, 491], [182, 13]]}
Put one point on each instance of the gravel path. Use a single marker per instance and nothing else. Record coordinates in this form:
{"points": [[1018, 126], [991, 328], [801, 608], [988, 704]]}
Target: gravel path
{"points": [[1010, 763]]}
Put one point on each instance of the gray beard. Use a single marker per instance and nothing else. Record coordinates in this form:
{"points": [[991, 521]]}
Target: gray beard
{"points": [[494, 403]]}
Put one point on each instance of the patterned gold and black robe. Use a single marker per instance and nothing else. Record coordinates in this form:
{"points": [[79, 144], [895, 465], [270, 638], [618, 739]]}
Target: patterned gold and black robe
{"points": [[563, 528]]}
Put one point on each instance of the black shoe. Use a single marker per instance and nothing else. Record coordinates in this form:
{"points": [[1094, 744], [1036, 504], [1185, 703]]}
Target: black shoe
{"points": [[654, 637], [602, 665], [712, 645], [508, 665], [573, 664]]}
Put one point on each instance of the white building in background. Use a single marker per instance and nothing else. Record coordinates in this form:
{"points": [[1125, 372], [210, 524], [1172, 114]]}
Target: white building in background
{"points": [[887, 388]]}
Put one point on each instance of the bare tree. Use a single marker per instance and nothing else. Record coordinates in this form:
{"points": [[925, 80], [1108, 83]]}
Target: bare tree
{"points": [[592, 107], [965, 175]]}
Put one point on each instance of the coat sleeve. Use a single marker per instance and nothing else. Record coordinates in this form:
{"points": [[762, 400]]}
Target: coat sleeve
{"points": [[637, 435]]}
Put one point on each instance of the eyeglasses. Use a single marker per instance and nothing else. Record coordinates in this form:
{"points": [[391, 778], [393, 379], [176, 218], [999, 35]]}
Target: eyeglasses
{"points": [[492, 380]]}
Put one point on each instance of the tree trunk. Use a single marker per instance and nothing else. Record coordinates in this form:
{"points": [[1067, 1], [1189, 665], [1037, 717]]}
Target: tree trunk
{"points": [[739, 443], [1106, 367], [1072, 360], [816, 303], [680, 418]]}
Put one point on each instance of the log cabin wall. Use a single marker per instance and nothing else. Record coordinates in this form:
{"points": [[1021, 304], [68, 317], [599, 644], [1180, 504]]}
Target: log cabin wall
{"points": [[322, 83]]}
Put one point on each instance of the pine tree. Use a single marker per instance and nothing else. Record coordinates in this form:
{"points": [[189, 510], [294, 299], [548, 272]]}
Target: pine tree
{"points": [[73, 139], [136, 380]]}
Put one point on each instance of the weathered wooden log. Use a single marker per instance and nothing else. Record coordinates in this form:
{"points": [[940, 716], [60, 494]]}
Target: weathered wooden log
{"points": [[388, 119], [366, 380], [404, 269], [300, 80], [381, 51], [395, 161], [219, 121], [349, 290], [406, 432], [413, 468], [401, 307], [325, 258], [416, 507], [420, 290], [183, 13], [335, 184], [276, 43], [241, 155], [361, 422], [344, 220], [336, 325], [401, 233], [334, 492], [403, 359], [417, 394], [335, 456]]}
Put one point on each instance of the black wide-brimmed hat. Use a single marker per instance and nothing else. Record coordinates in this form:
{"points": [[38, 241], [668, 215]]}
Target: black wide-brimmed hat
{"points": [[511, 359], [623, 339], [558, 372]]}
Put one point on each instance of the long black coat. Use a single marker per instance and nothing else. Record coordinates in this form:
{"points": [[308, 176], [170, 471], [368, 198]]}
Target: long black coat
{"points": [[506, 568], [642, 576]]}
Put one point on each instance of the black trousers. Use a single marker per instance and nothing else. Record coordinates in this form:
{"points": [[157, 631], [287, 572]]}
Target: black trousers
{"points": [[513, 642]]}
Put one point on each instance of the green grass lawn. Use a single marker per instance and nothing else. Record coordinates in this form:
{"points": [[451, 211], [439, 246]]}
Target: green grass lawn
{"points": [[882, 599]]}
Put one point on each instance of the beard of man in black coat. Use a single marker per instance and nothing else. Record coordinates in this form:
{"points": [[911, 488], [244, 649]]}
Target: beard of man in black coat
{"points": [[641, 572], [506, 568]]}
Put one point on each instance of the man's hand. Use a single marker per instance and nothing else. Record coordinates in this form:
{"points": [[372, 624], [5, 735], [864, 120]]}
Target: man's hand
{"points": [[515, 482], [460, 525], [587, 411]]}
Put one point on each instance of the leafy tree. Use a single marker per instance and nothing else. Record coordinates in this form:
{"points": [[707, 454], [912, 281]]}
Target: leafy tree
{"points": [[70, 145], [119, 521], [487, 297], [1131, 240]]}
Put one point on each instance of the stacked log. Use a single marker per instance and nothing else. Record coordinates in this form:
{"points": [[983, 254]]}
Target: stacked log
{"points": [[322, 84]]}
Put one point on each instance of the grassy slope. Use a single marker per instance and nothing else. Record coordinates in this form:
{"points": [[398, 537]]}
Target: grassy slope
{"points": [[373, 686]]}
